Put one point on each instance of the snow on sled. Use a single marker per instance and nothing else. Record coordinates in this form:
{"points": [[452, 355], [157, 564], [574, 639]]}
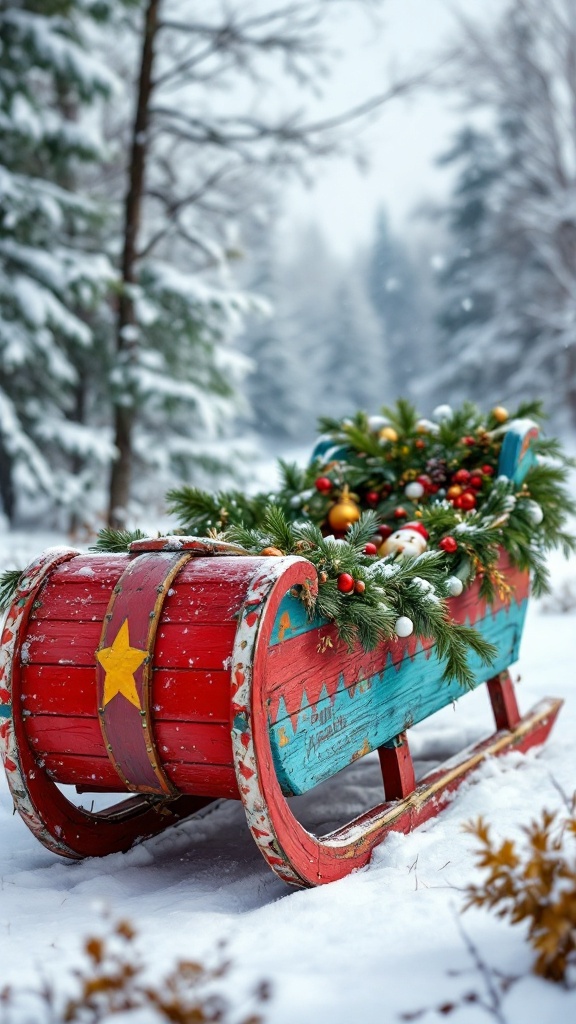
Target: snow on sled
{"points": [[179, 673]]}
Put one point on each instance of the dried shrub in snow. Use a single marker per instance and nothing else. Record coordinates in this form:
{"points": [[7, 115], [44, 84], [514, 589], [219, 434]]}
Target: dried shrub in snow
{"points": [[534, 883], [112, 981]]}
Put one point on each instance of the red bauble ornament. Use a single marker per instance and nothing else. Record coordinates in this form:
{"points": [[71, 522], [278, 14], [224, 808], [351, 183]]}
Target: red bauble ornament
{"points": [[476, 481], [420, 443], [425, 480], [461, 476], [385, 531], [359, 587], [487, 470], [466, 501], [448, 544], [469, 441], [345, 583], [400, 513], [323, 484], [370, 548], [372, 498]]}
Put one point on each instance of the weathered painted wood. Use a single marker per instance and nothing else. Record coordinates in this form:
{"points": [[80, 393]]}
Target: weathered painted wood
{"points": [[366, 711], [517, 454]]}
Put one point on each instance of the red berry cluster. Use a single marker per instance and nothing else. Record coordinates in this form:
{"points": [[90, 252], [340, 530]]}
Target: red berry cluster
{"points": [[347, 584], [465, 485]]}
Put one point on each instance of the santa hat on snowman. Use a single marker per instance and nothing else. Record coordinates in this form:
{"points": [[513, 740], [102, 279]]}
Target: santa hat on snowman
{"points": [[407, 541]]}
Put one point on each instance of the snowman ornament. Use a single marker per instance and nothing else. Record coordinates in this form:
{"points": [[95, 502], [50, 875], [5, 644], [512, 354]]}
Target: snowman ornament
{"points": [[408, 541]]}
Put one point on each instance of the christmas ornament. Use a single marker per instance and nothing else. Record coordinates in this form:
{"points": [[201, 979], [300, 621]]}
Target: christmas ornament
{"points": [[487, 470], [466, 501], [461, 476], [384, 530], [388, 434], [400, 512], [359, 587], [442, 412], [345, 583], [476, 481], [448, 544], [403, 626], [414, 490], [408, 541], [419, 443], [535, 513], [425, 480], [370, 549], [372, 498], [344, 512], [455, 586], [376, 423], [469, 441], [453, 492], [500, 414], [272, 552], [323, 484], [424, 426]]}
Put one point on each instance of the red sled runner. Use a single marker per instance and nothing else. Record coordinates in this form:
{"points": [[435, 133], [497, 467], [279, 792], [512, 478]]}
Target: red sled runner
{"points": [[180, 673]]}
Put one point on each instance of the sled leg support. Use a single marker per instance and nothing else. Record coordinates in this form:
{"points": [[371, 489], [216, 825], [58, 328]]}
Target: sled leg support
{"points": [[409, 804]]}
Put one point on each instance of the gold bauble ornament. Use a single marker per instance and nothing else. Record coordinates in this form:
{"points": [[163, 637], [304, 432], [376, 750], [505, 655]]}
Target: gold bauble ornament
{"points": [[500, 414], [344, 512], [388, 434]]}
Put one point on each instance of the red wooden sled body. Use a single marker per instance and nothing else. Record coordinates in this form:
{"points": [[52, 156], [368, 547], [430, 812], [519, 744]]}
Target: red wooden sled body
{"points": [[181, 673]]}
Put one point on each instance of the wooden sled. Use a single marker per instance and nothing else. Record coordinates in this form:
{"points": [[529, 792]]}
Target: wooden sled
{"points": [[181, 673]]}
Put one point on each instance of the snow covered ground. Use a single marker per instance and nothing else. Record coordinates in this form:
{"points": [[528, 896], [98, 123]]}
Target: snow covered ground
{"points": [[379, 944]]}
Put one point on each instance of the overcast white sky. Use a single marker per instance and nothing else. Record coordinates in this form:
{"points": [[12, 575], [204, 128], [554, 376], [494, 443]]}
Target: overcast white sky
{"points": [[408, 135]]}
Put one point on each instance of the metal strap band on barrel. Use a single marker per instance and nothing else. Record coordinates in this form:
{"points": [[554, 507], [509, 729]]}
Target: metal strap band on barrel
{"points": [[124, 665]]}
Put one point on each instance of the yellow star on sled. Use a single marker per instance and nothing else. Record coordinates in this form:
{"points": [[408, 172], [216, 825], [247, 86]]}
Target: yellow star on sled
{"points": [[120, 662]]}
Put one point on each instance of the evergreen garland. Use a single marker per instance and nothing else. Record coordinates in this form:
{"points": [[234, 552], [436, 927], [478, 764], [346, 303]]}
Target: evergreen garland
{"points": [[372, 461]]}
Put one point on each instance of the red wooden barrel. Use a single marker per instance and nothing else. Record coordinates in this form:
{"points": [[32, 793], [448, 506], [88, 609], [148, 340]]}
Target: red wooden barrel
{"points": [[115, 676]]}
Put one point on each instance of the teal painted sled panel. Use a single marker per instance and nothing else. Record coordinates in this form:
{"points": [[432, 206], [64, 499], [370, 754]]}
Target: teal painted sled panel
{"points": [[368, 712]]}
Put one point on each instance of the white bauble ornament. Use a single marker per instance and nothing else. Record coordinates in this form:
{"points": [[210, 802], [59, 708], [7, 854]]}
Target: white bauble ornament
{"points": [[414, 490], [442, 412], [376, 423], [424, 426], [535, 513], [455, 586], [404, 626]]}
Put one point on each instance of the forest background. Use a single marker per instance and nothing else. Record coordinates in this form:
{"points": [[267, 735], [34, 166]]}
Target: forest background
{"points": [[165, 315]]}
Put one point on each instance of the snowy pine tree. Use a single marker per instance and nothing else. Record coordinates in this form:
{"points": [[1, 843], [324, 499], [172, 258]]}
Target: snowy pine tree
{"points": [[512, 212], [397, 300], [51, 276]]}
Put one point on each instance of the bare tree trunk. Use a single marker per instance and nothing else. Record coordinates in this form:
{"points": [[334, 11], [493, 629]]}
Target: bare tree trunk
{"points": [[124, 415], [7, 493]]}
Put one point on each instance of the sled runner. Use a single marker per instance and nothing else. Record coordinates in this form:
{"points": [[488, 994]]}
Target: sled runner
{"points": [[180, 673]]}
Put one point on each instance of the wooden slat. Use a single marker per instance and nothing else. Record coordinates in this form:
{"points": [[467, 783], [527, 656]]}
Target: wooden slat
{"points": [[49, 734], [61, 643], [194, 743], [189, 742], [59, 690], [199, 647], [177, 694], [203, 780], [69, 769], [191, 696]]}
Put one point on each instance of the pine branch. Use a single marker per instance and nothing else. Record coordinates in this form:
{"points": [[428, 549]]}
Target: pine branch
{"points": [[116, 541], [9, 583]]}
